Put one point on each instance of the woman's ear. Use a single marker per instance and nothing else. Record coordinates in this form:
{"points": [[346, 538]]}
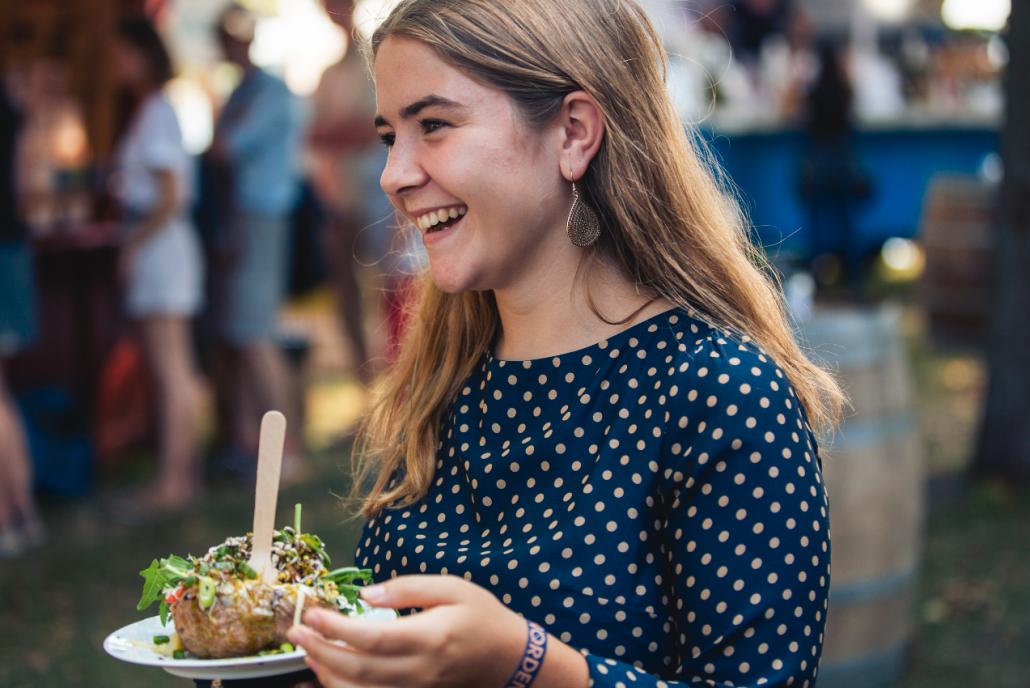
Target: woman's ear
{"points": [[582, 127]]}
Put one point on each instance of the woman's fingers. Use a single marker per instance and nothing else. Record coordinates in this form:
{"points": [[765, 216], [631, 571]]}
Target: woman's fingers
{"points": [[420, 591], [345, 651], [377, 637], [336, 665], [326, 679]]}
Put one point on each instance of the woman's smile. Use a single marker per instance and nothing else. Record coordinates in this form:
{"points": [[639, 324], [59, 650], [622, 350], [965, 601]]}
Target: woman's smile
{"points": [[438, 218], [440, 232], [461, 163], [438, 223]]}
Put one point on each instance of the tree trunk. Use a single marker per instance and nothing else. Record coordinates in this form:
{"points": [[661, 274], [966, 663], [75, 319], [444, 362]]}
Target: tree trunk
{"points": [[1003, 449]]}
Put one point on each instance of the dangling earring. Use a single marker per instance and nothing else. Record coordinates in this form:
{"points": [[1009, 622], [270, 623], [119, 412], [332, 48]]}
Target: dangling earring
{"points": [[584, 228]]}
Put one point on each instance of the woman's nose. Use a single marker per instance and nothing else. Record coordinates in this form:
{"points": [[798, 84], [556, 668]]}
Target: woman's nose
{"points": [[402, 172]]}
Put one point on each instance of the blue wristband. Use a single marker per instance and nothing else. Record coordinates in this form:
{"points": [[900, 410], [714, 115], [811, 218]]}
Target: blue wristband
{"points": [[532, 657]]}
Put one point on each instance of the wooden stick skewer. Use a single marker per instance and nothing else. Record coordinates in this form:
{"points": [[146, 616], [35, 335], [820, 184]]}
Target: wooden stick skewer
{"points": [[270, 459], [298, 609]]}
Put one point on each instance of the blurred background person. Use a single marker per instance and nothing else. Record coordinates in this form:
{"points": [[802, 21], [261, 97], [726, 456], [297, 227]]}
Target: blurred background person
{"points": [[789, 64], [160, 261], [256, 139], [19, 523], [832, 182], [345, 161], [704, 77], [755, 21]]}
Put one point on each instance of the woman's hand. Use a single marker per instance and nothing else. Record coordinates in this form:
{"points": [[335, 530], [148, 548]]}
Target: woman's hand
{"points": [[463, 637]]}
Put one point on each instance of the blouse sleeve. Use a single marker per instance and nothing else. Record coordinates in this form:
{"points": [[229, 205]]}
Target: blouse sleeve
{"points": [[161, 137], [746, 534]]}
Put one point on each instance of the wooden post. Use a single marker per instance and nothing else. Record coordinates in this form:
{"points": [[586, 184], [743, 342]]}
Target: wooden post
{"points": [[1003, 449]]}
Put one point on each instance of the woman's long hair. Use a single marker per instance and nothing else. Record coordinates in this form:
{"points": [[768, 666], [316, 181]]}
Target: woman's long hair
{"points": [[668, 221], [140, 33]]}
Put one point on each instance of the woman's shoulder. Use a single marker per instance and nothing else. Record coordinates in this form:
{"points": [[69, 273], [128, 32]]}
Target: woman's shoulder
{"points": [[728, 378], [697, 349], [157, 116], [685, 347], [729, 405], [719, 356]]}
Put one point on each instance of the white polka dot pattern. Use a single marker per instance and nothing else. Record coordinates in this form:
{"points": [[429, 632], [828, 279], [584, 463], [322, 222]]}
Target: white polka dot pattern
{"points": [[654, 500]]}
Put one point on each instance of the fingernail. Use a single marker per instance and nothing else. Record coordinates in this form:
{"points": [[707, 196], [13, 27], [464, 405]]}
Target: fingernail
{"points": [[374, 593]]}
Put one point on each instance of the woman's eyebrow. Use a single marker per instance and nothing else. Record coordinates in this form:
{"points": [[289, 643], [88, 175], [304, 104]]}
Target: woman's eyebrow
{"points": [[409, 111]]}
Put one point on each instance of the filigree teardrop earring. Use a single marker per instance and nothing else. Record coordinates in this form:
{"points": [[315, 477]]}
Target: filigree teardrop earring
{"points": [[584, 227]]}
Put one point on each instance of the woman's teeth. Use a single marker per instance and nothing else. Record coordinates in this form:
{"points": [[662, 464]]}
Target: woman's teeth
{"points": [[436, 217]]}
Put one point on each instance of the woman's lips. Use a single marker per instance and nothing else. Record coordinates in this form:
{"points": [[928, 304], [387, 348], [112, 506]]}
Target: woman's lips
{"points": [[431, 218], [435, 234]]}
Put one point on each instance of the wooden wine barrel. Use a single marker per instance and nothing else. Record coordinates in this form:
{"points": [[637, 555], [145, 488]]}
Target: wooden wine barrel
{"points": [[873, 471], [957, 237]]}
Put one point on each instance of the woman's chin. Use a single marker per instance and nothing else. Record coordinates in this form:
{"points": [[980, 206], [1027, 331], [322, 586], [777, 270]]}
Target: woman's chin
{"points": [[450, 281]]}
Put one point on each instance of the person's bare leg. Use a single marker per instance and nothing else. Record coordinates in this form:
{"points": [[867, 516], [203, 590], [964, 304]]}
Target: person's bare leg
{"points": [[223, 364], [251, 400], [166, 342], [269, 378], [344, 268], [17, 505]]}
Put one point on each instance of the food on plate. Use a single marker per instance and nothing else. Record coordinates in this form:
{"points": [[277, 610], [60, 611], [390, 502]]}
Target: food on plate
{"points": [[220, 606]]}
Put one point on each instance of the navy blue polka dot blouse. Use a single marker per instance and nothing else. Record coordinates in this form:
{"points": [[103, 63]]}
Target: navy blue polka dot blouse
{"points": [[654, 500]]}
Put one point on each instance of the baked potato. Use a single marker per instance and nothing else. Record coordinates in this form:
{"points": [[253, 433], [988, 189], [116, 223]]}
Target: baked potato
{"points": [[222, 609]]}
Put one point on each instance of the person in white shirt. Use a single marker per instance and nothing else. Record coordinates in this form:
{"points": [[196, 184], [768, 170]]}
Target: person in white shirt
{"points": [[160, 264]]}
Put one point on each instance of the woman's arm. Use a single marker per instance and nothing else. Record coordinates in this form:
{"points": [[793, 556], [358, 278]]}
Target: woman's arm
{"points": [[746, 530], [163, 211], [564, 667], [161, 152]]}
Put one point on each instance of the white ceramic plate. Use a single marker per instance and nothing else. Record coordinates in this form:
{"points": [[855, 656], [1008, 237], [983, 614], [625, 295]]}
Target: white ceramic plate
{"points": [[134, 644]]}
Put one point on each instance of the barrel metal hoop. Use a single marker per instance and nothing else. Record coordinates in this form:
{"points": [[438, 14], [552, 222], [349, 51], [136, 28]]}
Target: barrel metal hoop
{"points": [[875, 670], [854, 593]]}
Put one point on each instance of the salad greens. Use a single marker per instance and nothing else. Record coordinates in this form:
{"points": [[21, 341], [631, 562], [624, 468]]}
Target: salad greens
{"points": [[300, 559], [160, 575], [344, 579]]}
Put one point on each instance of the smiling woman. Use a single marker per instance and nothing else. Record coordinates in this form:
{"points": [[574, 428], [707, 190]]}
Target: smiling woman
{"points": [[593, 461]]}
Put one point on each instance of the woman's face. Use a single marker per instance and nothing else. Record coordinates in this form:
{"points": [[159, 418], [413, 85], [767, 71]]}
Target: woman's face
{"points": [[129, 64], [460, 151]]}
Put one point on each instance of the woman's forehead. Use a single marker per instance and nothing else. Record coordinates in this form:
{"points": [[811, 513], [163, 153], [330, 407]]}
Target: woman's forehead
{"points": [[408, 71], [403, 63]]}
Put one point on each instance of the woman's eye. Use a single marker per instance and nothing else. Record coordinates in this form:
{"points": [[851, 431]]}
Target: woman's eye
{"points": [[387, 139], [431, 125]]}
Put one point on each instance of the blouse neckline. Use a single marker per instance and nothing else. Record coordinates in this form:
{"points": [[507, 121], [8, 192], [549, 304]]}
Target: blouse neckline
{"points": [[602, 345]]}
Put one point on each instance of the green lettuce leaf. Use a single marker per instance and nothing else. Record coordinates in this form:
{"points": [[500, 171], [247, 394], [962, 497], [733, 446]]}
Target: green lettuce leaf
{"points": [[161, 574], [153, 584]]}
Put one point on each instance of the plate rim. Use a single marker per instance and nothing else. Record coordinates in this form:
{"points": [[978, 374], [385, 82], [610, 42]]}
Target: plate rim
{"points": [[159, 660], [254, 666]]}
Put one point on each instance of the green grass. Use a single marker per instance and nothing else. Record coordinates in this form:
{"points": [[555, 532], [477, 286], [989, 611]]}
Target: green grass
{"points": [[58, 604], [974, 612]]}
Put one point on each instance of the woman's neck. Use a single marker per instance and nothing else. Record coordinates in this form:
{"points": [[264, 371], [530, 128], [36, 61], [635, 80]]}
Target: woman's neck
{"points": [[548, 317]]}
